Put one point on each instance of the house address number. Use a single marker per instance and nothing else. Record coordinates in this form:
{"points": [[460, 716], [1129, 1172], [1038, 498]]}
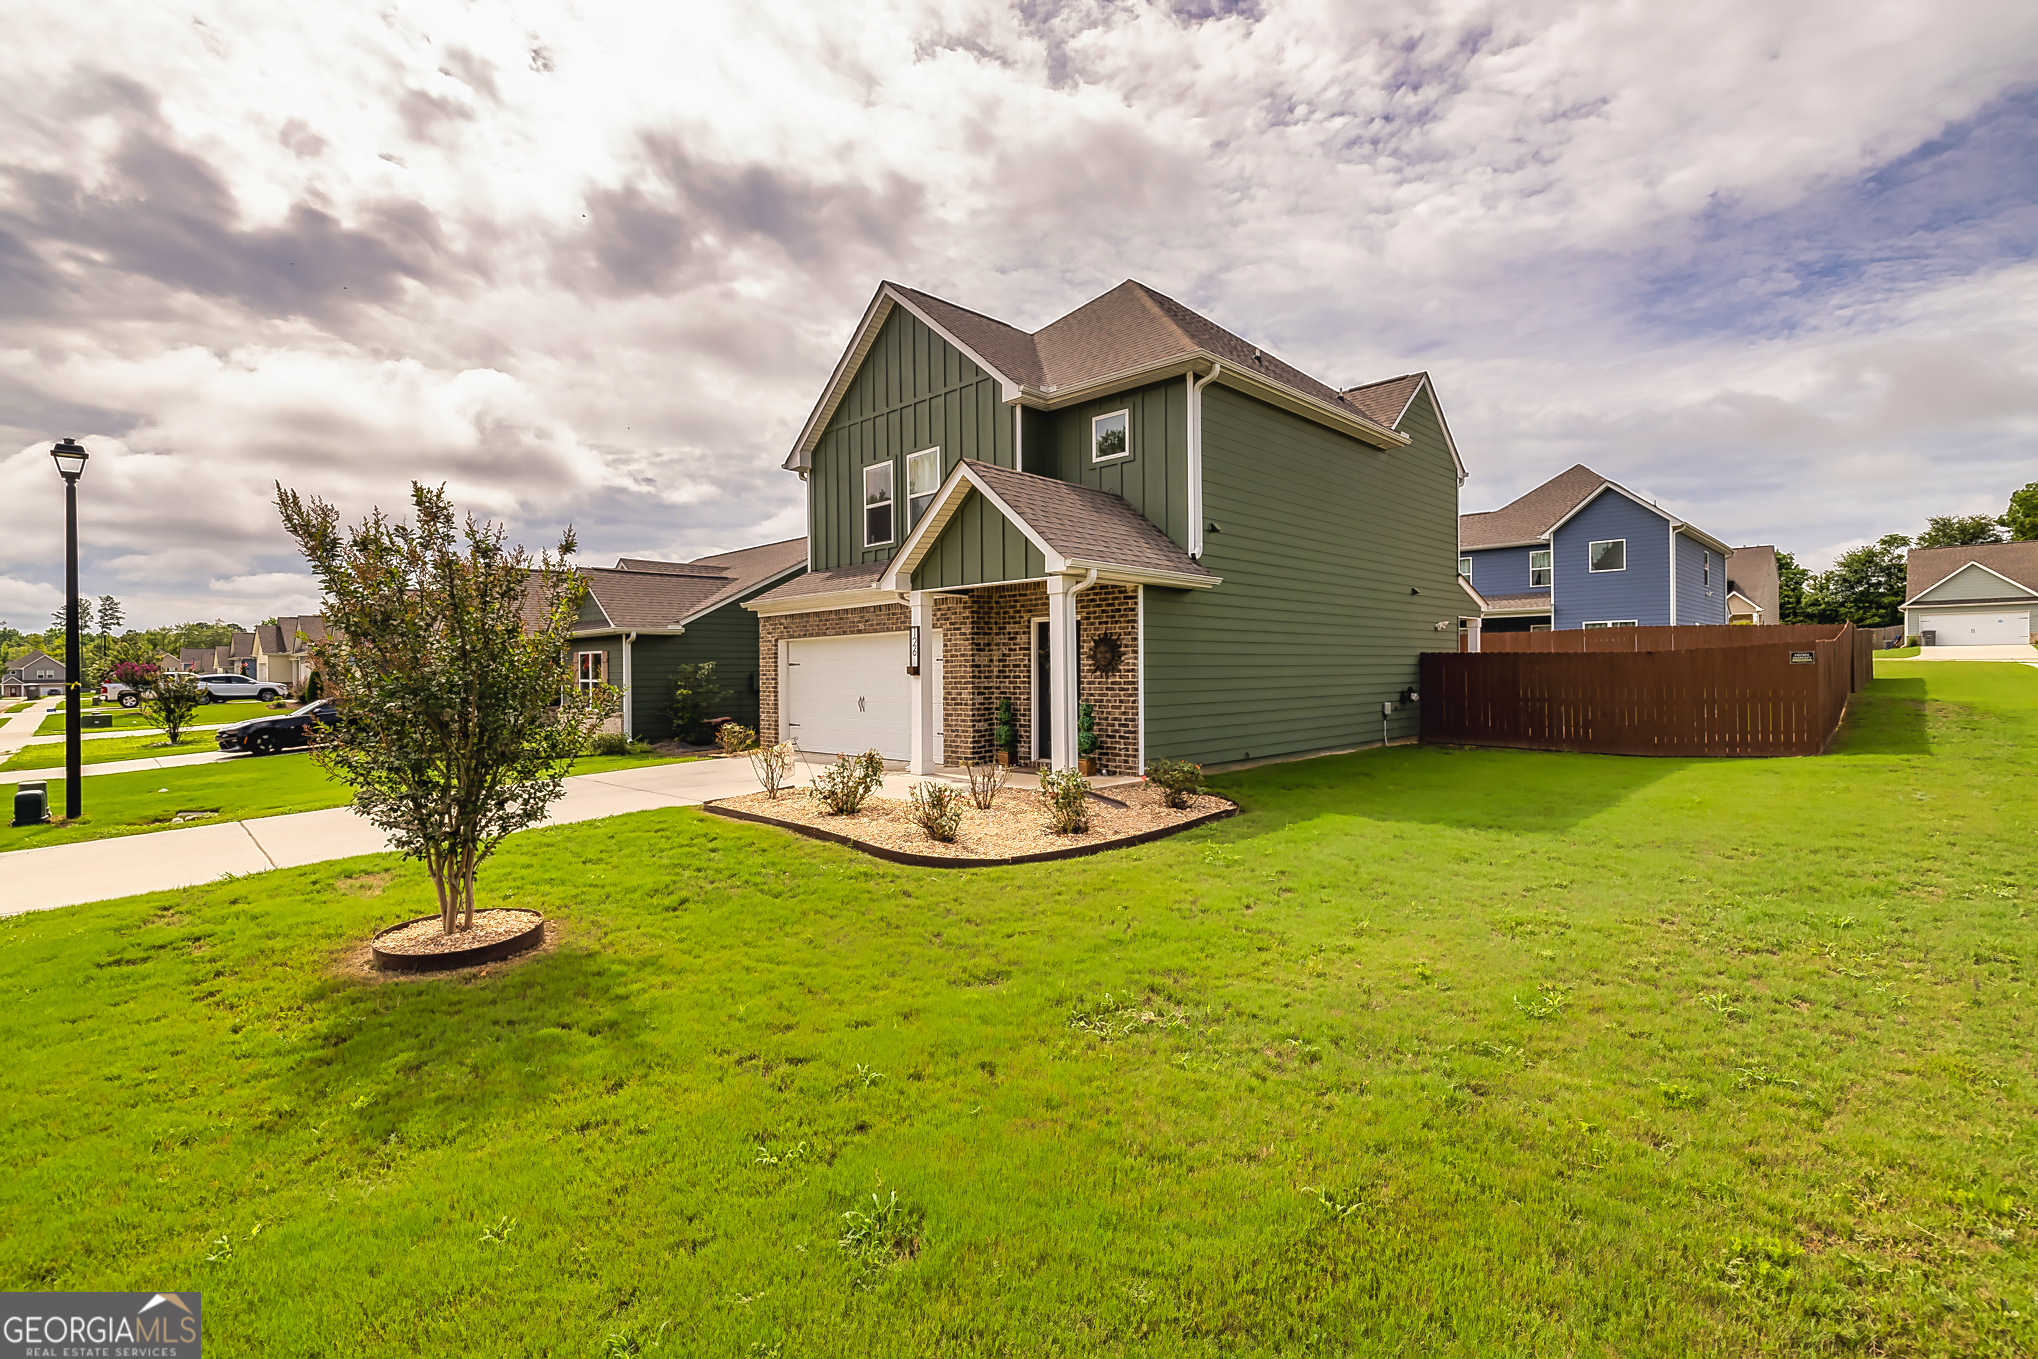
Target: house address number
{"points": [[1804, 658]]}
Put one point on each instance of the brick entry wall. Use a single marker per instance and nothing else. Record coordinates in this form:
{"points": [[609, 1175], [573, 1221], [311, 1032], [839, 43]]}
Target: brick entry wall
{"points": [[987, 644]]}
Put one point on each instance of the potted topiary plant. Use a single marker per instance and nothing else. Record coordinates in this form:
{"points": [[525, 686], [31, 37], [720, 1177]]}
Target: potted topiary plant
{"points": [[1086, 739], [1005, 732]]}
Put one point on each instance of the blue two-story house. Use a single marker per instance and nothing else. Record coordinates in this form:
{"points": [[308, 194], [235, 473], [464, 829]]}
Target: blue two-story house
{"points": [[1580, 551]]}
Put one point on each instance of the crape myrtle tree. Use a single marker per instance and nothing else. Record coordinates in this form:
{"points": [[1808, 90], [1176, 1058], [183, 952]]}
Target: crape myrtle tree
{"points": [[446, 656]]}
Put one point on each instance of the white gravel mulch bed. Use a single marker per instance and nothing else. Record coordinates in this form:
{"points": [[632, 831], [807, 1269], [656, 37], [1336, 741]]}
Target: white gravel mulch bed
{"points": [[1016, 825], [423, 936]]}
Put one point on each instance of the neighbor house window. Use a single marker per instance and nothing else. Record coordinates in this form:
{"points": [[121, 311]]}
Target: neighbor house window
{"points": [[1610, 555], [1109, 435], [1620, 623], [1465, 567], [877, 504], [923, 479], [588, 667], [1706, 557], [1539, 570]]}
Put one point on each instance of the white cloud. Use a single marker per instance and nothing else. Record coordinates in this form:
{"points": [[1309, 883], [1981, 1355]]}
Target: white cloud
{"points": [[593, 264]]}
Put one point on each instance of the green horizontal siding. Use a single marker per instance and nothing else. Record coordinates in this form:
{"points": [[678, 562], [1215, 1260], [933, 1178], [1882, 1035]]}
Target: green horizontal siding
{"points": [[913, 390], [1321, 540], [979, 546], [1154, 476]]}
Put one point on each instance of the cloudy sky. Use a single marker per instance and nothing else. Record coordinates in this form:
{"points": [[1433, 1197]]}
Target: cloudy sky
{"points": [[1772, 264]]}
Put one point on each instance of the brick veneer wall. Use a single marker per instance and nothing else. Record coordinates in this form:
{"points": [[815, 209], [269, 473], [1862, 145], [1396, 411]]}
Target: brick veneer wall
{"points": [[987, 642]]}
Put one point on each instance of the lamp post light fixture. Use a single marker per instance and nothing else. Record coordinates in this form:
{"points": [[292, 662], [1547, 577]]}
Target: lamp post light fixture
{"points": [[70, 457]]}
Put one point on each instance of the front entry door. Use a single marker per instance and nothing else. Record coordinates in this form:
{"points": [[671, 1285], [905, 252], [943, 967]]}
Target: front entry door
{"points": [[1043, 690]]}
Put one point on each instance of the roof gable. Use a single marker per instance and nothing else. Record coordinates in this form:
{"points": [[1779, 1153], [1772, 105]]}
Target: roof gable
{"points": [[1529, 518], [1973, 581], [1927, 567]]}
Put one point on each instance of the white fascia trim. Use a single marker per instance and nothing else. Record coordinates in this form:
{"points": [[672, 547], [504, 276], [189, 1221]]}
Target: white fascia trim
{"points": [[824, 603], [1119, 574], [1920, 597], [765, 583], [1470, 590], [1699, 535], [1011, 388], [1495, 547], [898, 572], [1438, 405], [670, 629]]}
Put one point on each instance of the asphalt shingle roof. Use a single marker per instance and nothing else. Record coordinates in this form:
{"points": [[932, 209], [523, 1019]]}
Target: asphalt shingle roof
{"points": [[1752, 572], [641, 593], [1925, 567], [1537, 600], [1085, 523], [1529, 517], [861, 576]]}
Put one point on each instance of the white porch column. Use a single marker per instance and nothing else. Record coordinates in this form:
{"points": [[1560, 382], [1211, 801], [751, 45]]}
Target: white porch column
{"points": [[1061, 631], [920, 713], [1472, 634]]}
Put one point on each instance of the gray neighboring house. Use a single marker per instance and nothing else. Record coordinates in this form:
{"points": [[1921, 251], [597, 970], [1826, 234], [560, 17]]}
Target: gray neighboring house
{"points": [[1985, 595], [36, 675], [1754, 588], [643, 619]]}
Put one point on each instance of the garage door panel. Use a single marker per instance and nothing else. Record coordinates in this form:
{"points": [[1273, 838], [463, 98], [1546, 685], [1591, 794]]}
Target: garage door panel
{"points": [[1977, 629], [848, 694]]}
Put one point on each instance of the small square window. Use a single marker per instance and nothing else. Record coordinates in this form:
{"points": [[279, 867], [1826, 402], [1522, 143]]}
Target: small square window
{"points": [[1539, 570], [1465, 567], [1110, 436], [1609, 555], [589, 667], [923, 479], [877, 504]]}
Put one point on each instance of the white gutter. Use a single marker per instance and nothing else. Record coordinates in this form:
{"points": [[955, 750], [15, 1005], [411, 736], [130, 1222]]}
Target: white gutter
{"points": [[1196, 458], [1673, 573]]}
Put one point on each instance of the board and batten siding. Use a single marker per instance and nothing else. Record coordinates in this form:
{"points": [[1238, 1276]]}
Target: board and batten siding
{"points": [[1154, 476], [1320, 540], [1699, 602], [978, 546], [913, 390], [1639, 594]]}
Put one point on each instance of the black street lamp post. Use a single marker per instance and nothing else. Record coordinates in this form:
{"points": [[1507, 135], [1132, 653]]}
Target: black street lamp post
{"points": [[70, 460]]}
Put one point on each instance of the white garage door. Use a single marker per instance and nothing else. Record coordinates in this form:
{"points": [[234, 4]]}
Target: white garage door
{"points": [[848, 694], [1977, 629]]}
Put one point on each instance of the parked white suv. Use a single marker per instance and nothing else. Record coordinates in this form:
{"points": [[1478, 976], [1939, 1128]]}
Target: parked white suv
{"points": [[218, 687]]}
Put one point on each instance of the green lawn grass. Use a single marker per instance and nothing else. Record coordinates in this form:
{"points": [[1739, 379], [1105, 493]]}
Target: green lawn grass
{"points": [[1897, 653], [1430, 1051], [210, 715], [252, 786], [152, 746]]}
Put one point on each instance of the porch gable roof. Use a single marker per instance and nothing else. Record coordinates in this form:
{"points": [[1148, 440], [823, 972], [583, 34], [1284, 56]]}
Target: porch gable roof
{"points": [[1076, 528]]}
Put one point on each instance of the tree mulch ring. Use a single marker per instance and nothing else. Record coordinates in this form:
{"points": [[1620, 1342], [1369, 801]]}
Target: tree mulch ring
{"points": [[1014, 831], [420, 946]]}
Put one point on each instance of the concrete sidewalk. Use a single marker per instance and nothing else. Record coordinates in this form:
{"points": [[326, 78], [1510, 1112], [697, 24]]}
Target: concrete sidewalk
{"points": [[126, 766], [94, 870]]}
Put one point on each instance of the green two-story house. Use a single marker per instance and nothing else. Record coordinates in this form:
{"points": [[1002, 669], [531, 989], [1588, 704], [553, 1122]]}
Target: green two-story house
{"points": [[1131, 508]]}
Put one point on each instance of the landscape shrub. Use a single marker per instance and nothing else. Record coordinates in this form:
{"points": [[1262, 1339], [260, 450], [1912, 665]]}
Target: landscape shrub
{"points": [[986, 780], [734, 738], [695, 692], [1005, 729], [938, 809], [1176, 779], [1066, 795], [843, 786], [773, 765], [608, 743], [314, 687], [169, 700], [1086, 729]]}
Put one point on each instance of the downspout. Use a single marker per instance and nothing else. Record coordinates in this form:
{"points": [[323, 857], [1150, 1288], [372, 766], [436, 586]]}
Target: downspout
{"points": [[629, 686], [1673, 574], [1196, 458]]}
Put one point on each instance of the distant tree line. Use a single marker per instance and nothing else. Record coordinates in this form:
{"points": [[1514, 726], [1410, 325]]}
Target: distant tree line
{"points": [[108, 642], [1866, 587]]}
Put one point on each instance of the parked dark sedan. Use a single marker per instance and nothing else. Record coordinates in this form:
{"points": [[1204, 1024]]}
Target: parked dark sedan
{"points": [[267, 735]]}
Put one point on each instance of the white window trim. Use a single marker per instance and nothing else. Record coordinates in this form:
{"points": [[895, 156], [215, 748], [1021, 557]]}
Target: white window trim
{"points": [[601, 666], [891, 501], [1616, 623], [1095, 420], [1465, 567], [911, 458], [1549, 566], [1591, 552]]}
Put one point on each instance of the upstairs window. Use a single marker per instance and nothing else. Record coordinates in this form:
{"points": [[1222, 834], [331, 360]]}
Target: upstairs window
{"points": [[877, 504], [588, 668], [1465, 567], [923, 479], [1706, 555], [1110, 436], [1539, 570], [1611, 554]]}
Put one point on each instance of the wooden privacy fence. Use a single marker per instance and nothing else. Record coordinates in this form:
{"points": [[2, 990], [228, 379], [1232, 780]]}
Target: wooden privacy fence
{"points": [[1649, 691]]}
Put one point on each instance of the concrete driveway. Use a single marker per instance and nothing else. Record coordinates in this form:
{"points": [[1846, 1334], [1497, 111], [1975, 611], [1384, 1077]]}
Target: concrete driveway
{"points": [[2026, 654]]}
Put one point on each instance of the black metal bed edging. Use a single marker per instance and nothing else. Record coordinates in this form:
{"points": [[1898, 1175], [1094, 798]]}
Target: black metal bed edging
{"points": [[912, 860]]}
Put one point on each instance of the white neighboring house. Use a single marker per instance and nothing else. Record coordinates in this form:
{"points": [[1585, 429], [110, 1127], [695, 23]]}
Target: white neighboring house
{"points": [[282, 649], [1972, 596]]}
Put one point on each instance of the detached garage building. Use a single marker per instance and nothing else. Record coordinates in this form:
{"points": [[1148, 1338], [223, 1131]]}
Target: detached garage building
{"points": [[1972, 596]]}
